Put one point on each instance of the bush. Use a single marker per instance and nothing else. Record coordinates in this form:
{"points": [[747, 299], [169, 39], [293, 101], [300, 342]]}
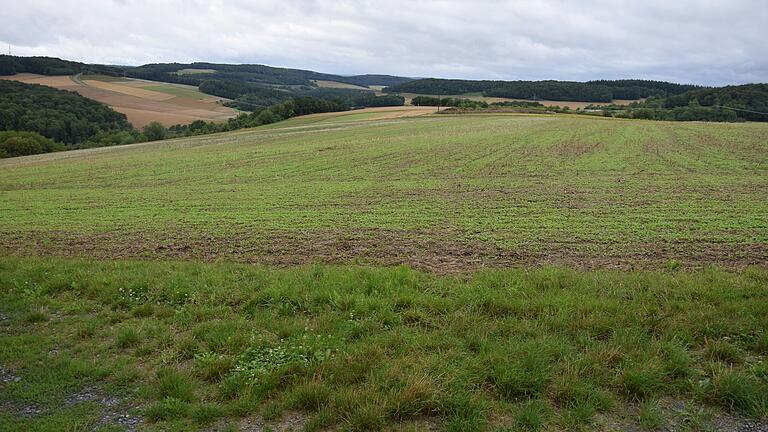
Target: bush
{"points": [[18, 143], [154, 131]]}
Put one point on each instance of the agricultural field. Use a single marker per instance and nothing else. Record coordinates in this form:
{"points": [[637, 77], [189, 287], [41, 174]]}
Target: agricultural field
{"points": [[436, 192], [195, 71], [140, 100], [339, 85], [391, 269]]}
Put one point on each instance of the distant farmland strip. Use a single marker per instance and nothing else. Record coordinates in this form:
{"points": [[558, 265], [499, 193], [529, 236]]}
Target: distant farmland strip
{"points": [[142, 101]]}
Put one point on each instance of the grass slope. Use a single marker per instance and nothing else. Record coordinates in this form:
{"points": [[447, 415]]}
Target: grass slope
{"points": [[438, 192], [182, 346]]}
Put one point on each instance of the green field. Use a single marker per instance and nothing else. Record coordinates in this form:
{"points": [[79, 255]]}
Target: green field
{"points": [[347, 272], [436, 192], [183, 346]]}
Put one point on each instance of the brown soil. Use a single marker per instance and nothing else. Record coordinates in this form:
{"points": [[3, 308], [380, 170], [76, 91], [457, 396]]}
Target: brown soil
{"points": [[141, 106], [433, 251]]}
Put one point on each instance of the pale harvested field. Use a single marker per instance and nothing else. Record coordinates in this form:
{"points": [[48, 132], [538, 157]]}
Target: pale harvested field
{"points": [[194, 71], [377, 113], [572, 105], [51, 81], [127, 89], [341, 85], [140, 105]]}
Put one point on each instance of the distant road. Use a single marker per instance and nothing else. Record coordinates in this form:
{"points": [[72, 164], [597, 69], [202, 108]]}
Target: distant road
{"points": [[76, 79]]}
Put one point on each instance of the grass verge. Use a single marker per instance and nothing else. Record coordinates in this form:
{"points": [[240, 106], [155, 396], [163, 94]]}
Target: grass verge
{"points": [[187, 345]]}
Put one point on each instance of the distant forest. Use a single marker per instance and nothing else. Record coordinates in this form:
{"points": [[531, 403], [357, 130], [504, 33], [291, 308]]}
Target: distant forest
{"points": [[249, 86], [748, 102], [62, 116], [38, 119], [10, 65], [591, 91], [254, 86]]}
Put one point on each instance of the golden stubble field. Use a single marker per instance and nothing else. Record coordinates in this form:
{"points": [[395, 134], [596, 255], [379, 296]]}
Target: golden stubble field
{"points": [[141, 101]]}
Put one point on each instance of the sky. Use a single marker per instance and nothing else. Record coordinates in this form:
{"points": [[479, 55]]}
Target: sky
{"points": [[709, 42]]}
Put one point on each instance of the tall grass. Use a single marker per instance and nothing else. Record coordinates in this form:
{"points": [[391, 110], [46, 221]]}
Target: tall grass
{"points": [[363, 348]]}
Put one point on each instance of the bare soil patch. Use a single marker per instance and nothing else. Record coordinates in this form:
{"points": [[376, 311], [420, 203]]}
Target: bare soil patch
{"points": [[433, 251], [119, 87]]}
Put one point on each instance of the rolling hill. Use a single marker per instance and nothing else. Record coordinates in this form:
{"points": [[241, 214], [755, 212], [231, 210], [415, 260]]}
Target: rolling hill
{"points": [[454, 190], [359, 271]]}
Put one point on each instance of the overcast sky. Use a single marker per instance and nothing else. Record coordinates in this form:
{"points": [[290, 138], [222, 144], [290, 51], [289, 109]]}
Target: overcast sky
{"points": [[691, 41]]}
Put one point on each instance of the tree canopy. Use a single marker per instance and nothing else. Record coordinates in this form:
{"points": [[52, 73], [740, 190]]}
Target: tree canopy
{"points": [[592, 91], [63, 116]]}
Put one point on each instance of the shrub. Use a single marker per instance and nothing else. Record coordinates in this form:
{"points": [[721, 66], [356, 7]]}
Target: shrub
{"points": [[15, 143]]}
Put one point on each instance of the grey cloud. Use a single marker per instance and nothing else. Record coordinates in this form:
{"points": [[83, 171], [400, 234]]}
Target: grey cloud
{"points": [[707, 41]]}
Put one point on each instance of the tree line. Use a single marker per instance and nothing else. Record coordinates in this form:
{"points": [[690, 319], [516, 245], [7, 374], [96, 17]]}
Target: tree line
{"points": [[748, 102], [62, 116], [592, 91], [249, 96], [11, 65], [38, 119]]}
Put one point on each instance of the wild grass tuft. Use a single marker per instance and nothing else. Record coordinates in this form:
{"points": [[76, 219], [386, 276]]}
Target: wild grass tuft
{"points": [[36, 315], [212, 367], [127, 337], [172, 383], [166, 409], [651, 416], [308, 397], [205, 414], [723, 351], [738, 391], [532, 415], [640, 383]]}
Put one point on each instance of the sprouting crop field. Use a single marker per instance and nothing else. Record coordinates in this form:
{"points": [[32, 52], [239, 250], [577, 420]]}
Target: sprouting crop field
{"points": [[391, 269], [441, 193]]}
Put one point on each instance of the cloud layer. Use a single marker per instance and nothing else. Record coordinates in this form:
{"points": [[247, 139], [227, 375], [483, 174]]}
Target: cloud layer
{"points": [[704, 42]]}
